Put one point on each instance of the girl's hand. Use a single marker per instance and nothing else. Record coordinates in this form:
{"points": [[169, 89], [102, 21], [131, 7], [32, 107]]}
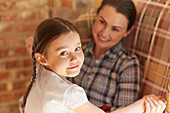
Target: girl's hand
{"points": [[28, 44], [153, 104]]}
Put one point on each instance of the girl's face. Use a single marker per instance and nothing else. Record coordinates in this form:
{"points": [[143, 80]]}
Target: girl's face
{"points": [[109, 28], [65, 56]]}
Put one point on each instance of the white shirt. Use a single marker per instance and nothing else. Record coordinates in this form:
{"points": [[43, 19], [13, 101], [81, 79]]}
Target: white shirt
{"points": [[51, 94]]}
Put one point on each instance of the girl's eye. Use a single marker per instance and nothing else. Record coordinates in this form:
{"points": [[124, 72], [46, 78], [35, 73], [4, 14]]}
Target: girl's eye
{"points": [[64, 53], [78, 48]]}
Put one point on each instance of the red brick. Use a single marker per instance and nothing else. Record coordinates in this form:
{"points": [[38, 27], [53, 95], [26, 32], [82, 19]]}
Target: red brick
{"points": [[4, 108], [7, 53], [4, 53], [19, 85], [1, 43], [5, 97], [24, 5], [27, 62], [42, 14], [51, 3], [13, 108], [66, 3], [27, 15], [5, 27], [21, 51], [1, 65], [3, 87], [13, 64], [12, 41], [6, 6], [8, 97], [4, 75], [29, 27], [12, 16], [24, 74]]}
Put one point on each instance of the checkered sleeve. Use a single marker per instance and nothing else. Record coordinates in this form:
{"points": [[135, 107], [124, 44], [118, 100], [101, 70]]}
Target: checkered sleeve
{"points": [[129, 82]]}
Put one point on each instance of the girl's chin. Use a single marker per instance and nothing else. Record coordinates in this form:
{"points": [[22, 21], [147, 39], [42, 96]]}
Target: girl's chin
{"points": [[73, 74]]}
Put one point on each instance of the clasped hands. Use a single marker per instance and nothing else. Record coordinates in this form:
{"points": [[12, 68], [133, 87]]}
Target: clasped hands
{"points": [[154, 104]]}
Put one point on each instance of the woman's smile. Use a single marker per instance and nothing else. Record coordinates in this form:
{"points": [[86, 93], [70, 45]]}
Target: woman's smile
{"points": [[102, 39]]}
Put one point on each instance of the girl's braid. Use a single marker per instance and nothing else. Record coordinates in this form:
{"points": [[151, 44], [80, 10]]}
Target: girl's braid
{"points": [[32, 80]]}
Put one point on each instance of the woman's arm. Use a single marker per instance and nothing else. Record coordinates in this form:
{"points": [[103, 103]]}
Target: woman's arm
{"points": [[128, 82]]}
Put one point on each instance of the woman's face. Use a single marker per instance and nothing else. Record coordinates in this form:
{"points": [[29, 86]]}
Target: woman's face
{"points": [[65, 56], [109, 28]]}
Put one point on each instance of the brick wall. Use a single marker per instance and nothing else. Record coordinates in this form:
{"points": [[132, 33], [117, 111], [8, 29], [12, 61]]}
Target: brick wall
{"points": [[18, 20]]}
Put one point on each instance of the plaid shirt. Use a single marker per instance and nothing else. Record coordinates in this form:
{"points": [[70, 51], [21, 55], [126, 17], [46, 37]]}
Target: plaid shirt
{"points": [[113, 79]]}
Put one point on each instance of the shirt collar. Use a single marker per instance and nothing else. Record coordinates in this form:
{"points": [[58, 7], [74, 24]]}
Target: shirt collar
{"points": [[42, 71], [114, 50]]}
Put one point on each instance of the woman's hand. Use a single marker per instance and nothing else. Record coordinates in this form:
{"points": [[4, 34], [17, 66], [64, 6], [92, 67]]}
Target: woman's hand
{"points": [[154, 104], [28, 44], [148, 104]]}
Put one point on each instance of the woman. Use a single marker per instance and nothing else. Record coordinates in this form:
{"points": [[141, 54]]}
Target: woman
{"points": [[111, 76]]}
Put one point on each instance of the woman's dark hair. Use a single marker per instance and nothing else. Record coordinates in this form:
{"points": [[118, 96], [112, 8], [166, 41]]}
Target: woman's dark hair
{"points": [[125, 7], [47, 31]]}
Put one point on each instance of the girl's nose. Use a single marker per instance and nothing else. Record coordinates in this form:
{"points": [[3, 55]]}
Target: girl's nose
{"points": [[73, 58]]}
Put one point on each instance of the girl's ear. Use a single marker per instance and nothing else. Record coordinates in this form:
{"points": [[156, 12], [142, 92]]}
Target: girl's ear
{"points": [[129, 31], [41, 59]]}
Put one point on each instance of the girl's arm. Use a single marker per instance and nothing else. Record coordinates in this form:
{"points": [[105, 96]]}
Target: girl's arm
{"points": [[136, 107], [144, 105], [88, 108]]}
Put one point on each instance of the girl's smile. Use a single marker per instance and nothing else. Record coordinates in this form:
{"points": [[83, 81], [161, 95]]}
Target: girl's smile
{"points": [[73, 67]]}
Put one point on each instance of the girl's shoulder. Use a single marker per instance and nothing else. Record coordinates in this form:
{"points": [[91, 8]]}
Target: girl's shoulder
{"points": [[68, 96], [75, 96]]}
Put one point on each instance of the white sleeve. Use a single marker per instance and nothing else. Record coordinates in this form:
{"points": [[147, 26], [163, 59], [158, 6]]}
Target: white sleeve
{"points": [[75, 97]]}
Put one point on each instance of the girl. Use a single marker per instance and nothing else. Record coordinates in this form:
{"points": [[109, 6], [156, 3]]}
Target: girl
{"points": [[57, 49]]}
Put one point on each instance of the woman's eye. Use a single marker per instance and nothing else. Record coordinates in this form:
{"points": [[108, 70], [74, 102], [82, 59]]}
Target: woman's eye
{"points": [[101, 21], [78, 48], [114, 29], [64, 53]]}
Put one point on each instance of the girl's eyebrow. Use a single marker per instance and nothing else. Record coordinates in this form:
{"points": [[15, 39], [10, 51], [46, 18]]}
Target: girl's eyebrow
{"points": [[112, 26], [79, 43], [66, 47], [60, 48]]}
